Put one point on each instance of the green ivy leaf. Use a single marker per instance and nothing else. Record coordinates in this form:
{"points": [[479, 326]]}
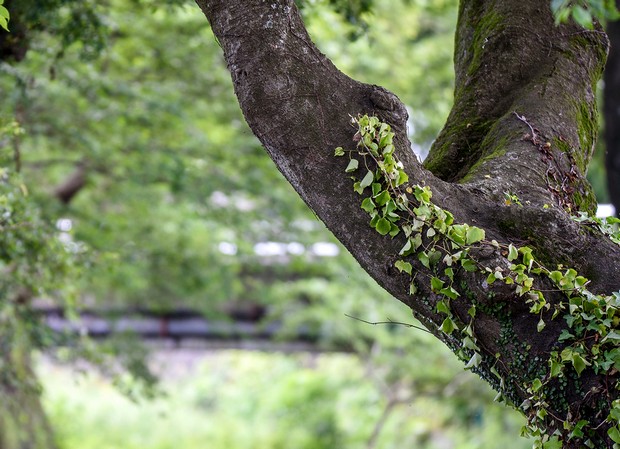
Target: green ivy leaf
{"points": [[436, 284], [442, 307], [578, 363], [614, 434], [383, 226], [367, 180], [423, 257], [512, 252], [353, 164], [450, 292], [474, 235], [383, 198], [368, 205], [339, 151], [475, 360], [448, 326], [403, 266]]}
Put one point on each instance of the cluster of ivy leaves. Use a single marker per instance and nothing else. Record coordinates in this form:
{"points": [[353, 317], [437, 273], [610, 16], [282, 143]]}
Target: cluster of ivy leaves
{"points": [[584, 12], [433, 237]]}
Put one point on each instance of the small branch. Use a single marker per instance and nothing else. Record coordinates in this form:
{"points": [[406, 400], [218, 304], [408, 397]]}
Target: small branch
{"points": [[374, 323]]}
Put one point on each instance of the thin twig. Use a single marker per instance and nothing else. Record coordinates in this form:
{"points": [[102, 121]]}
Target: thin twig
{"points": [[374, 323]]}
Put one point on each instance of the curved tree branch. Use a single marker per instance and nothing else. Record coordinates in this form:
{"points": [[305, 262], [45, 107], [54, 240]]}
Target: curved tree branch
{"points": [[523, 124]]}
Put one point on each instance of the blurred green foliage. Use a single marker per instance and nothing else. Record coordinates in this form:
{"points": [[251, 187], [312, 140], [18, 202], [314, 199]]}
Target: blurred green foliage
{"points": [[269, 401]]}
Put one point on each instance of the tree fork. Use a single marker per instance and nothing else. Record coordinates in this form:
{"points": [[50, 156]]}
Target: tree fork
{"points": [[523, 124]]}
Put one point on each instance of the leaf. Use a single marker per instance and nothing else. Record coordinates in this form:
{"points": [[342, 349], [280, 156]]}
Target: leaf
{"points": [[413, 289], [512, 252], [541, 325], [368, 205], [367, 180], [536, 385], [403, 266], [614, 434], [474, 235], [582, 16], [339, 151], [448, 326], [383, 198], [578, 363], [436, 284], [442, 307], [475, 360], [383, 226], [405, 250], [469, 265], [423, 257], [4, 23], [450, 292], [353, 164]]}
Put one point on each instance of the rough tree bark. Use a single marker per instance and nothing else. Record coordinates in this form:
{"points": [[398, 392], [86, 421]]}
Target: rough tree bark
{"points": [[524, 123], [611, 111]]}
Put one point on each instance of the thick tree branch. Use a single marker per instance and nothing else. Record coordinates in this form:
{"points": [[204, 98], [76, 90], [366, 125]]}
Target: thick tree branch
{"points": [[523, 124]]}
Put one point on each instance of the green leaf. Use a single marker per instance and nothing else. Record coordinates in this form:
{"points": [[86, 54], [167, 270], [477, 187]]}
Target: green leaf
{"points": [[450, 292], [339, 151], [423, 257], [403, 266], [383, 226], [474, 235], [541, 325], [436, 284], [553, 443], [353, 164], [614, 434], [383, 198], [442, 307], [469, 265], [376, 188], [413, 289], [368, 205], [536, 385], [512, 252], [4, 23], [367, 180], [406, 249], [582, 16], [555, 368], [578, 363], [475, 360], [402, 178], [448, 326]]}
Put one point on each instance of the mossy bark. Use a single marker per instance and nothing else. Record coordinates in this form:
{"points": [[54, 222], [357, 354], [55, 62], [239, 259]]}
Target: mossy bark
{"points": [[23, 423], [522, 124]]}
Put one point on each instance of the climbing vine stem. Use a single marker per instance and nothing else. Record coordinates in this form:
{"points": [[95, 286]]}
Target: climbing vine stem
{"points": [[591, 337]]}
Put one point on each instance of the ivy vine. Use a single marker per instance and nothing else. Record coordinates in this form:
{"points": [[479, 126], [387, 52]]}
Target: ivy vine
{"points": [[592, 337]]}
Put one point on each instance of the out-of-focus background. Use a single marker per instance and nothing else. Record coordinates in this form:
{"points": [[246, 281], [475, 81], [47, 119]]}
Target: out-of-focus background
{"points": [[162, 286]]}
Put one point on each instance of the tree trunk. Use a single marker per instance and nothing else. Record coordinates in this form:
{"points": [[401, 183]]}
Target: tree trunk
{"points": [[611, 111], [510, 160], [23, 423]]}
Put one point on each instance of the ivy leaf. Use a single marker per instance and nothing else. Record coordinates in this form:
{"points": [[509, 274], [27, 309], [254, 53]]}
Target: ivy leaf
{"points": [[536, 385], [423, 257], [512, 252], [475, 360], [368, 205], [383, 226], [614, 434], [353, 164], [339, 151], [448, 326], [382, 198], [442, 307], [541, 325], [578, 363], [436, 284], [474, 235], [469, 265], [367, 180], [403, 266], [450, 292]]}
